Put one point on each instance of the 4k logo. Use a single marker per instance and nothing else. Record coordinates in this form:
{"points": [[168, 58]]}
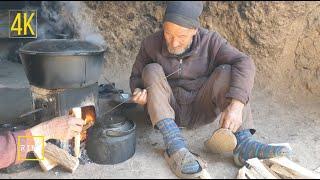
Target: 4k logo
{"points": [[23, 24]]}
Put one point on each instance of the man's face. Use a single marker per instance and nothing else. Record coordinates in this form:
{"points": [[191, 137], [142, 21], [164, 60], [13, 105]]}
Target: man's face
{"points": [[178, 38]]}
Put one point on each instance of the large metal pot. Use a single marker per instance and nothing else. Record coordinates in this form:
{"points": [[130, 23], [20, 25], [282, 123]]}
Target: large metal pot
{"points": [[62, 63]]}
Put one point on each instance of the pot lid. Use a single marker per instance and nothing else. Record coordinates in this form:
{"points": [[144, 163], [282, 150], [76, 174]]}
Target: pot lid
{"points": [[114, 121], [61, 47], [121, 129]]}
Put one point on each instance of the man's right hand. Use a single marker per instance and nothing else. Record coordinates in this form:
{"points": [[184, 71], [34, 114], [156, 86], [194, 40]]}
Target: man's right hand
{"points": [[63, 128], [139, 96]]}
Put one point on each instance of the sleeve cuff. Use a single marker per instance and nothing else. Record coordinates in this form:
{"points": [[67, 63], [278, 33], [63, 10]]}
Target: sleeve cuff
{"points": [[24, 144], [136, 83], [238, 94]]}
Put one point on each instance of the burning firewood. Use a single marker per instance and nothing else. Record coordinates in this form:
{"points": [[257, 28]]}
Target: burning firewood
{"points": [[54, 156], [77, 113]]}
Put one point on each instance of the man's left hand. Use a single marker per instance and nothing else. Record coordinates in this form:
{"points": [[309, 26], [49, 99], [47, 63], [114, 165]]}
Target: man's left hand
{"points": [[231, 117]]}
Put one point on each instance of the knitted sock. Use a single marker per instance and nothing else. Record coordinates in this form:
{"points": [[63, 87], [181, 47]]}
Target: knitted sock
{"points": [[248, 148], [174, 141]]}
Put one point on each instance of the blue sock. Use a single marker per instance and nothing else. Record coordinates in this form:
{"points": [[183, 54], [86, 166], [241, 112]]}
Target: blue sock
{"points": [[174, 141], [248, 148]]}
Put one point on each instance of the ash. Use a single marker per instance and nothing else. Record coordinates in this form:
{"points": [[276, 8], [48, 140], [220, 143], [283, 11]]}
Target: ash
{"points": [[84, 158]]}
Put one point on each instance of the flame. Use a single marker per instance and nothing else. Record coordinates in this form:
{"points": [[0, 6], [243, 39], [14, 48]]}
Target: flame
{"points": [[89, 116]]}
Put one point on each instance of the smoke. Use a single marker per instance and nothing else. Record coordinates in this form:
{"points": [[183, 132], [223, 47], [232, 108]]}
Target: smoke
{"points": [[68, 19]]}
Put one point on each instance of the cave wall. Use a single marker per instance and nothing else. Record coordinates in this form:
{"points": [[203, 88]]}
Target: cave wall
{"points": [[283, 38]]}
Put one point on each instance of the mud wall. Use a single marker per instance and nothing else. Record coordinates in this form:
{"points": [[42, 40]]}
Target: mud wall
{"points": [[283, 38]]}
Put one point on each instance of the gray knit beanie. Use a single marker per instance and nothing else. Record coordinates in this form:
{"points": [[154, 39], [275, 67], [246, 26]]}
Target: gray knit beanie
{"points": [[184, 13]]}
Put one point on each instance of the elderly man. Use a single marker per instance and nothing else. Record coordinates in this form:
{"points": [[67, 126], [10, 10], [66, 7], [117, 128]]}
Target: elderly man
{"points": [[187, 76], [63, 128]]}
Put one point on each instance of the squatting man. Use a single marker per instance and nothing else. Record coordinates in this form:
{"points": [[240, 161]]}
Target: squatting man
{"points": [[209, 78], [213, 78]]}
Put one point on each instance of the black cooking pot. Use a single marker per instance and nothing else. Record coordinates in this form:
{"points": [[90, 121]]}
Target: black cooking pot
{"points": [[62, 63], [112, 143]]}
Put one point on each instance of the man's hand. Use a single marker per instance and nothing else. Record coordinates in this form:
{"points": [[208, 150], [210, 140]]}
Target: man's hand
{"points": [[139, 96], [231, 117], [62, 128]]}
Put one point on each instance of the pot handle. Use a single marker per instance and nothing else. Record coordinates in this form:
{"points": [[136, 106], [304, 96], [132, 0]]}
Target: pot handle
{"points": [[115, 133]]}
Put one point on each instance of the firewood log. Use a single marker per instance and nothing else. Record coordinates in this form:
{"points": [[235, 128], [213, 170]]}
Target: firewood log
{"points": [[62, 157], [77, 138], [45, 164], [293, 168], [257, 165]]}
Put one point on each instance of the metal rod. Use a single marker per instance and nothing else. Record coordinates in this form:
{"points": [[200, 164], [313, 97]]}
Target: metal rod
{"points": [[31, 112], [145, 88]]}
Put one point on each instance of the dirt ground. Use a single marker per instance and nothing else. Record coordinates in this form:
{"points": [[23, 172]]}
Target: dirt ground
{"points": [[277, 120]]}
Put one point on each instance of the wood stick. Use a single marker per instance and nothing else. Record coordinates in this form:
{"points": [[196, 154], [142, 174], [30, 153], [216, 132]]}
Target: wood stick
{"points": [[283, 173], [87, 126], [253, 174], [62, 157], [297, 170], [317, 170], [77, 138], [45, 164], [205, 175], [242, 173], [256, 164], [270, 170]]}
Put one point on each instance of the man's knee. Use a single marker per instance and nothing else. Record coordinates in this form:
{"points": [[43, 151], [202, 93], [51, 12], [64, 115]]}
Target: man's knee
{"points": [[152, 72], [224, 68], [221, 78], [222, 74]]}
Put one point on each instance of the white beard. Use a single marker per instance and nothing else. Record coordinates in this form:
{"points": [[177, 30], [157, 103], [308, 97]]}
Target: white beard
{"points": [[178, 53]]}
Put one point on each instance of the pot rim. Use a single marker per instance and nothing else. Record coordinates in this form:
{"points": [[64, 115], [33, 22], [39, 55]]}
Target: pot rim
{"points": [[115, 132], [62, 53]]}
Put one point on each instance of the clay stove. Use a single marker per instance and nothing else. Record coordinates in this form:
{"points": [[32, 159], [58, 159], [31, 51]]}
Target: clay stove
{"points": [[59, 102]]}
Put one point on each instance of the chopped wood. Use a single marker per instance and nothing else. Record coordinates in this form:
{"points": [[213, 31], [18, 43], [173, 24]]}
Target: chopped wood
{"points": [[275, 168], [294, 168], [45, 163], [242, 173], [317, 170], [257, 165], [253, 174], [270, 170], [62, 157], [205, 175], [282, 172]]}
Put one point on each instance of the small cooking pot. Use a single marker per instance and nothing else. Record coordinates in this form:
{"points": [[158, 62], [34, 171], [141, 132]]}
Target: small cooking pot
{"points": [[111, 143], [62, 63]]}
